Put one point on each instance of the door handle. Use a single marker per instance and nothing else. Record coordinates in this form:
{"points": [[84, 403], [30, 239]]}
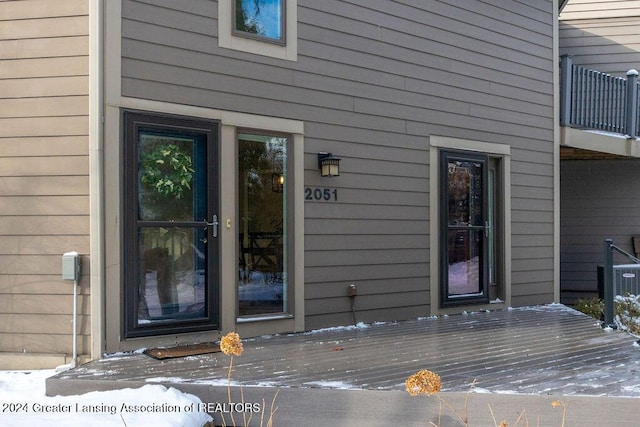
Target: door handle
{"points": [[214, 223]]}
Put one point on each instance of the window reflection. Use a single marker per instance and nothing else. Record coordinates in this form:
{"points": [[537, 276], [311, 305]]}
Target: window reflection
{"points": [[171, 188], [172, 286], [262, 281], [262, 18], [464, 262], [465, 193], [465, 227]]}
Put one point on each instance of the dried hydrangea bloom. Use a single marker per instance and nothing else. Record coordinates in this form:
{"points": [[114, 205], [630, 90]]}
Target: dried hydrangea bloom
{"points": [[423, 382], [231, 344]]}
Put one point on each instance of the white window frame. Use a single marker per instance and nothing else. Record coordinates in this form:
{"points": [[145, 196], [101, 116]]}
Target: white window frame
{"points": [[231, 39]]}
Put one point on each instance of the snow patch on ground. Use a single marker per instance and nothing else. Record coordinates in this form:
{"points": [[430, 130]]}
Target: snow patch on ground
{"points": [[24, 403], [359, 325], [331, 384], [160, 380]]}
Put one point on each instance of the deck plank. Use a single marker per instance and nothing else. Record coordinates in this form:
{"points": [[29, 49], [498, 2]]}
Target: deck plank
{"points": [[532, 350], [544, 350]]}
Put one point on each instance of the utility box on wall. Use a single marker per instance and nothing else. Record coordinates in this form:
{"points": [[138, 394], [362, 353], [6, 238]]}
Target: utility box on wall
{"points": [[71, 266]]}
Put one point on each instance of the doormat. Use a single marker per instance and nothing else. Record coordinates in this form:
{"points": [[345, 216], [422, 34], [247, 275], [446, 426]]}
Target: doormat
{"points": [[182, 350]]}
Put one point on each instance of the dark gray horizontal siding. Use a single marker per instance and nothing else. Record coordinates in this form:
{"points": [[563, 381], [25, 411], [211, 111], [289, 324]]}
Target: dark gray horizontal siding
{"points": [[366, 256], [410, 38], [383, 212], [479, 20], [532, 218], [600, 200], [367, 308], [373, 80], [391, 63], [360, 274], [365, 303], [370, 241], [384, 314], [373, 287]]}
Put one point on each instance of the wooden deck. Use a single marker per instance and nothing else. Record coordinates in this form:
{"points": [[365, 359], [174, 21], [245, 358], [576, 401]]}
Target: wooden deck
{"points": [[547, 351]]}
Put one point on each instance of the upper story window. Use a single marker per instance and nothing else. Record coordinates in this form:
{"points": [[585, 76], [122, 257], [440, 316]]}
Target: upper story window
{"points": [[262, 19], [260, 27]]}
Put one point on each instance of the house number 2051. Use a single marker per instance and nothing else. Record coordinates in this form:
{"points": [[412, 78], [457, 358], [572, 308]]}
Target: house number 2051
{"points": [[321, 194]]}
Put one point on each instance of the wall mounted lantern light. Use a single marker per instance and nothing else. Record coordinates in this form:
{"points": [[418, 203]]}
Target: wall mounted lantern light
{"points": [[328, 164]]}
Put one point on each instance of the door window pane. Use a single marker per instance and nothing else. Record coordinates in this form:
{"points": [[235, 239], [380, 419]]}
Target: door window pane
{"points": [[171, 178], [262, 18], [262, 279], [173, 267], [464, 250], [465, 192], [464, 227]]}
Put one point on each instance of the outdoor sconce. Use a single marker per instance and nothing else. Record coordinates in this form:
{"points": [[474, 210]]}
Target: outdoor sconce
{"points": [[328, 165], [277, 182]]}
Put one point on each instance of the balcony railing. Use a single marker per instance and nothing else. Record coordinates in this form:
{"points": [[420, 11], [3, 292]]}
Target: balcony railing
{"points": [[590, 99]]}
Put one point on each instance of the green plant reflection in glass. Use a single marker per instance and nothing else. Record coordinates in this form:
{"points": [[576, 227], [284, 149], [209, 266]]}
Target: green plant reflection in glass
{"points": [[166, 174], [168, 170]]}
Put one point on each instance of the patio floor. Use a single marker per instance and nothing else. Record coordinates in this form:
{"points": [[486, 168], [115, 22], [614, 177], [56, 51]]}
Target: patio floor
{"points": [[546, 351]]}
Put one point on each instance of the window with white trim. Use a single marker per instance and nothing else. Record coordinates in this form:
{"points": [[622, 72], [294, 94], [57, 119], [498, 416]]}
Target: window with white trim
{"points": [[263, 229], [261, 27]]}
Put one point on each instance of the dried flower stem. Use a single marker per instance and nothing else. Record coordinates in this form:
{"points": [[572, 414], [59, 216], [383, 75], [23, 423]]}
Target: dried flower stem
{"points": [[439, 411], [244, 414], [495, 423], [520, 417], [466, 402], [427, 382], [229, 388], [464, 419], [464, 416], [557, 403], [272, 411]]}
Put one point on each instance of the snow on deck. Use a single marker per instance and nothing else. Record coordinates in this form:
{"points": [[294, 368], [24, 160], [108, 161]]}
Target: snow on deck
{"points": [[548, 349]]}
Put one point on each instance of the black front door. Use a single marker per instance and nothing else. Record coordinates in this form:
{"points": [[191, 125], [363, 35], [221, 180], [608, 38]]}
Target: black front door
{"points": [[465, 228], [171, 254]]}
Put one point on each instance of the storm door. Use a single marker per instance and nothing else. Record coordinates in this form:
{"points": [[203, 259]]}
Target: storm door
{"points": [[465, 228], [171, 261]]}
